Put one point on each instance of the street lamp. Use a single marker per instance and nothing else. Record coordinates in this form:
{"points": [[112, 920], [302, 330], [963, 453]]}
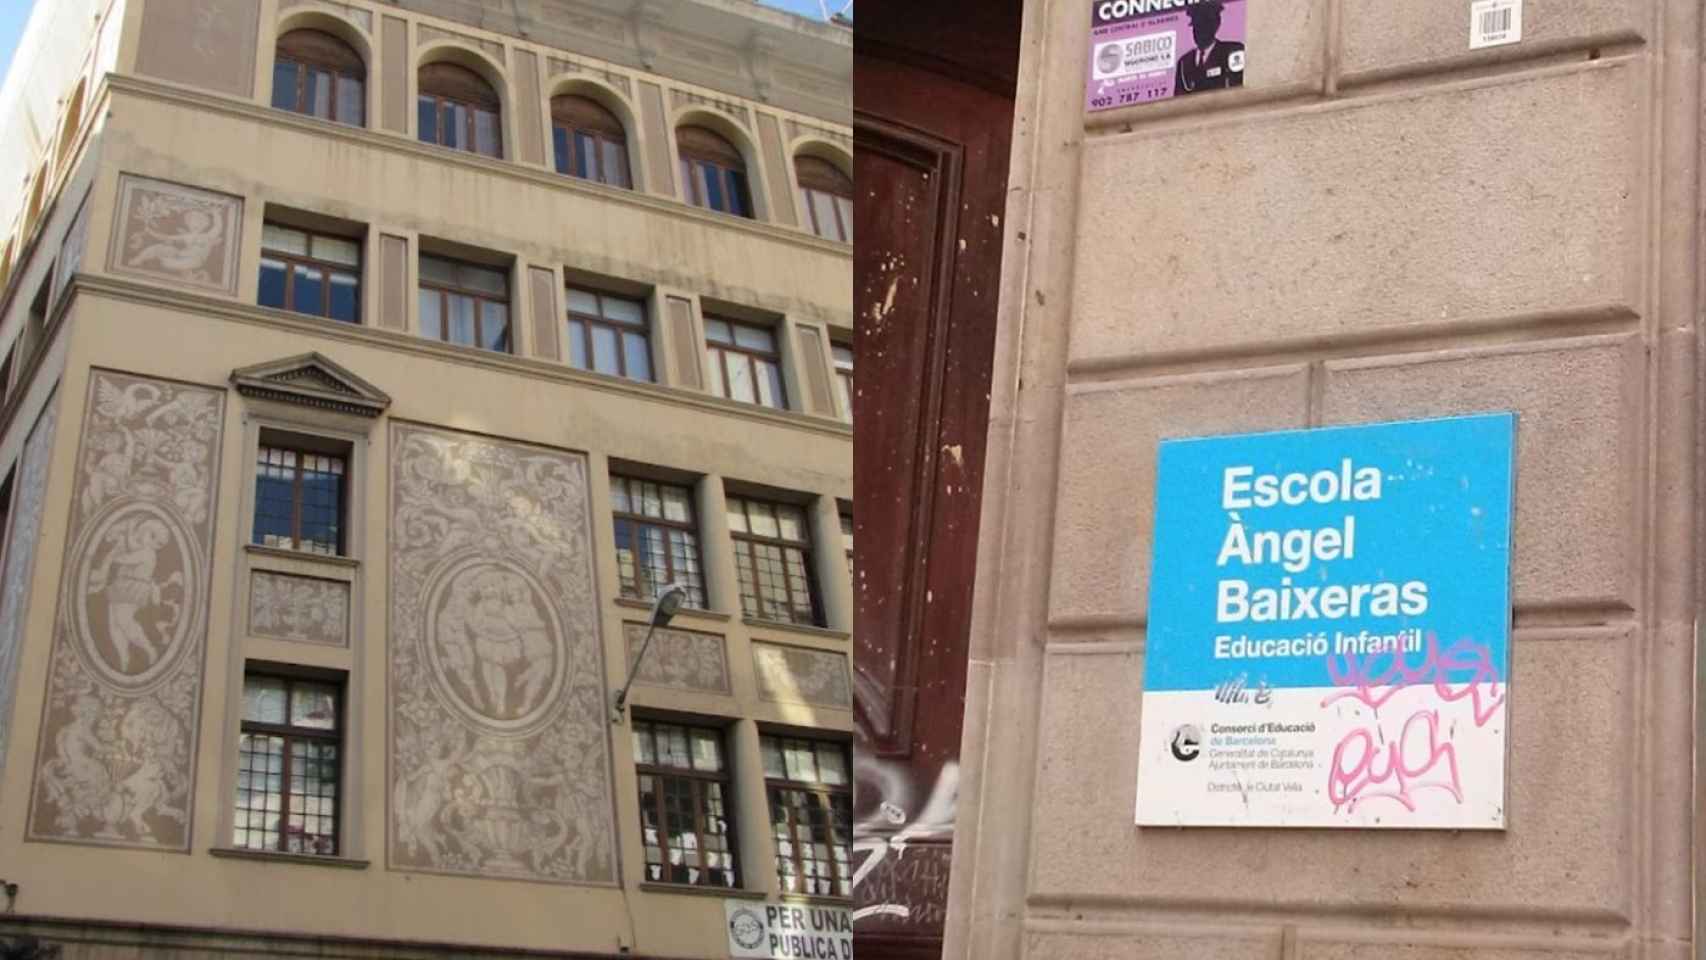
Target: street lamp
{"points": [[663, 609]]}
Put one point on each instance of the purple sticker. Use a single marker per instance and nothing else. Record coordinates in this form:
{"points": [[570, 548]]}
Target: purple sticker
{"points": [[1147, 50]]}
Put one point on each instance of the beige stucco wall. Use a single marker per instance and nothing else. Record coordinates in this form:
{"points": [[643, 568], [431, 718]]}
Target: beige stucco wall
{"points": [[159, 140], [1380, 225]]}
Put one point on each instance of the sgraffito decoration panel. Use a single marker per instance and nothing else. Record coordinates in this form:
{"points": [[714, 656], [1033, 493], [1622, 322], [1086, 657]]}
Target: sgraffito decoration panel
{"points": [[172, 232], [499, 750], [19, 557], [303, 609], [681, 659], [204, 43], [802, 675], [116, 759]]}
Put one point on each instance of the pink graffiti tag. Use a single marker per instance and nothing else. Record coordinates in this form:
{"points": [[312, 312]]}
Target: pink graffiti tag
{"points": [[1407, 764], [1364, 769], [1435, 666]]}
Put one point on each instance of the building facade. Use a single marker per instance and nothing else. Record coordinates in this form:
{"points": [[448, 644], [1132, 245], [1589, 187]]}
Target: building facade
{"points": [[1385, 221], [369, 370]]}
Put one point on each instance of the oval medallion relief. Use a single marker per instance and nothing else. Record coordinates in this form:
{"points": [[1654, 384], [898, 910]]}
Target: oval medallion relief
{"points": [[492, 642], [135, 595]]}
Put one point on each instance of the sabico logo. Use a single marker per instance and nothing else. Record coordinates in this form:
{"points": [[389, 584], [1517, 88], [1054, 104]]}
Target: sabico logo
{"points": [[1186, 742], [747, 929]]}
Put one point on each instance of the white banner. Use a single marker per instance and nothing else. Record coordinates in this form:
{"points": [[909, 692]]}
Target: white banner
{"points": [[771, 931]]}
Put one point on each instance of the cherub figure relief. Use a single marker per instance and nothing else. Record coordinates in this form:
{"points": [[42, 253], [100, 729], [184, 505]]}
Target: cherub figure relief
{"points": [[127, 576], [183, 249]]}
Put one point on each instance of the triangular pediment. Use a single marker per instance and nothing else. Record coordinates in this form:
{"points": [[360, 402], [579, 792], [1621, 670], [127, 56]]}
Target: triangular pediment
{"points": [[312, 380]]}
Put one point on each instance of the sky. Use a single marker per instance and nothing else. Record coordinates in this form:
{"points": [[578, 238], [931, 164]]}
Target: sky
{"points": [[805, 8], [15, 13]]}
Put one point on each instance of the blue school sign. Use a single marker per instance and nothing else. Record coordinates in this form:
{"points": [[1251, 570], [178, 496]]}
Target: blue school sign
{"points": [[1329, 621]]}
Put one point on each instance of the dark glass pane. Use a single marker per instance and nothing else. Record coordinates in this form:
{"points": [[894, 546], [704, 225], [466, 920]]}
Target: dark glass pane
{"points": [[273, 510], [427, 119], [284, 84], [346, 297], [585, 150], [560, 144], [577, 344], [714, 197], [272, 283], [494, 326], [739, 200], [307, 293]]}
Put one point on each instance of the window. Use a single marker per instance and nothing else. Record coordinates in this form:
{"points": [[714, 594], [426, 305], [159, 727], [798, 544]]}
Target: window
{"points": [[465, 303], [299, 497], [6, 374], [589, 141], [608, 334], [847, 538], [811, 814], [310, 273], [826, 196], [843, 354], [459, 109], [713, 173], [657, 541], [771, 551], [744, 363], [317, 74], [684, 804], [287, 765]]}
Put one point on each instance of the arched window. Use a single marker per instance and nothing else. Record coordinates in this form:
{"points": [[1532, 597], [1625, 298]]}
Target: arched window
{"points": [[590, 142], [713, 172], [826, 197], [68, 129], [317, 74], [460, 110]]}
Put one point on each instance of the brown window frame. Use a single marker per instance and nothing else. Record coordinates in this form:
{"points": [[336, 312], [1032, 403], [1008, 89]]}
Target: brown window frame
{"points": [[829, 795], [702, 145], [301, 450], [694, 580], [478, 296], [720, 370], [599, 124], [813, 593], [641, 326], [292, 734], [457, 90], [326, 267], [839, 186], [843, 375], [698, 778], [345, 65]]}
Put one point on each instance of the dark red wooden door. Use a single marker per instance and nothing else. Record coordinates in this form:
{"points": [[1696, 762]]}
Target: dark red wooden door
{"points": [[931, 153]]}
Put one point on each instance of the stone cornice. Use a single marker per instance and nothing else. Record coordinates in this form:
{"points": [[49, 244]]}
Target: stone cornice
{"points": [[173, 298], [131, 85]]}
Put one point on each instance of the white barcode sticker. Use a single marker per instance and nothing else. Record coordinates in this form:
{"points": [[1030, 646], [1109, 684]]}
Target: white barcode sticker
{"points": [[1494, 22]]}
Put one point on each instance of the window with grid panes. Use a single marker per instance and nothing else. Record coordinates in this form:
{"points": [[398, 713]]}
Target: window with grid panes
{"points": [[745, 365], [588, 141], [657, 541], [843, 355], [464, 303], [310, 273], [826, 197], [713, 172], [317, 74], [773, 561], [811, 813], [608, 334], [299, 499], [457, 108], [686, 811], [289, 761]]}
